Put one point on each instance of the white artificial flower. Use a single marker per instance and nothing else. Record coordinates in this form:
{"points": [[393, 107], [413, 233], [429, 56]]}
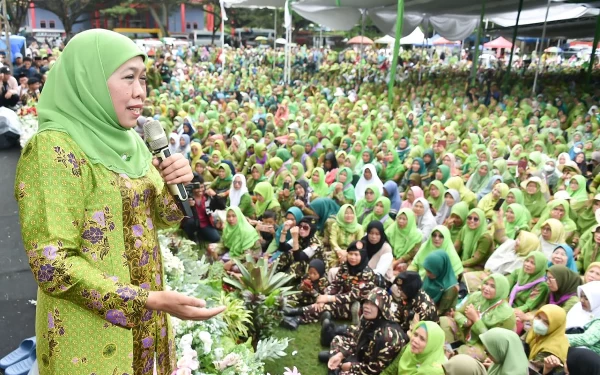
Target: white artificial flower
{"points": [[206, 340], [186, 340]]}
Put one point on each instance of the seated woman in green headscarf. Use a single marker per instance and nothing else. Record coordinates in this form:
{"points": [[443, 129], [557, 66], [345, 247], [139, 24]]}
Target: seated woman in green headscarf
{"points": [[342, 190], [515, 195], [529, 289], [405, 239], [318, 184], [284, 190], [535, 201], [435, 195], [418, 168], [474, 243], [273, 168], [256, 176], [214, 163], [366, 205], [480, 178], [589, 253], [380, 213], [344, 230], [505, 351], [440, 283], [482, 311], [265, 200], [424, 356], [202, 171], [558, 209], [220, 187], [430, 163], [489, 201], [457, 219], [439, 240], [391, 167], [239, 238]]}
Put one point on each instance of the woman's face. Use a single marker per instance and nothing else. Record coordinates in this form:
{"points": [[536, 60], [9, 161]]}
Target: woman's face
{"points": [[585, 302], [370, 310], [434, 192], [374, 236], [473, 221], [416, 166], [546, 232], [289, 216], [592, 274], [348, 163], [307, 148], [403, 143], [369, 195], [354, 258], [449, 199], [215, 159], [529, 266], [231, 218], [358, 147], [439, 175], [559, 256], [367, 174], [574, 185], [496, 193], [402, 221], [510, 215], [172, 141], [580, 158], [316, 178], [510, 199], [127, 89], [349, 215], [304, 230], [562, 159], [557, 212], [259, 197], [465, 147], [531, 188], [483, 170], [343, 177], [294, 171], [418, 342], [410, 196], [366, 157], [222, 173], [538, 148], [552, 284], [427, 159], [437, 239], [255, 173], [488, 290], [447, 161], [182, 142], [299, 190]]}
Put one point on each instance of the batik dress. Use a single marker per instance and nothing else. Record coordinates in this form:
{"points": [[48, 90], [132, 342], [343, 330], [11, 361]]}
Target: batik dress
{"points": [[91, 238]]}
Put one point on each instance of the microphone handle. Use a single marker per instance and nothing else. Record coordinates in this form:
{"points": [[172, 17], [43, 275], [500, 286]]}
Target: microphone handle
{"points": [[177, 190]]}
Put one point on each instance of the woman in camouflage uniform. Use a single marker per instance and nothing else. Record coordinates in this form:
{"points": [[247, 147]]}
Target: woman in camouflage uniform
{"points": [[353, 282], [413, 302], [304, 246], [370, 347]]}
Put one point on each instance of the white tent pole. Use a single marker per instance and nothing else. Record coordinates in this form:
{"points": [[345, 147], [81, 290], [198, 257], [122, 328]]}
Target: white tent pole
{"points": [[537, 69], [362, 44]]}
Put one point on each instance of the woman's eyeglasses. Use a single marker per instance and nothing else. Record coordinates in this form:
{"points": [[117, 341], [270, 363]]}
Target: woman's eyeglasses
{"points": [[237, 182], [304, 226], [473, 218]]}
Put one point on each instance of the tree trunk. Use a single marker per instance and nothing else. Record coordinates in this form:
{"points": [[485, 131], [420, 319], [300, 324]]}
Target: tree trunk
{"points": [[158, 21]]}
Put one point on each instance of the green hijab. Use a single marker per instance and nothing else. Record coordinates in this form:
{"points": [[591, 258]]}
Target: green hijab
{"points": [[352, 227], [265, 190], [321, 188], [507, 349], [566, 220], [460, 209], [445, 172], [437, 202], [541, 266], [438, 263], [478, 182], [428, 247], [240, 237], [535, 203], [428, 362], [404, 239], [470, 237], [580, 194], [518, 194], [521, 222], [76, 101]]}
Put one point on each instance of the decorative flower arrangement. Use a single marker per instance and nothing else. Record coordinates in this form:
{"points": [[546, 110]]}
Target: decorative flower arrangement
{"points": [[29, 124], [214, 346]]}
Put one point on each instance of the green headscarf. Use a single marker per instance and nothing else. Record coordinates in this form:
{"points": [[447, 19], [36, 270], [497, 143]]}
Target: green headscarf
{"points": [[470, 237], [445, 172], [521, 222], [437, 202], [428, 247], [348, 188], [352, 227], [405, 239], [566, 220], [535, 203], [438, 263], [321, 188], [460, 209], [518, 194], [580, 194], [477, 182], [383, 218], [428, 362], [541, 266], [507, 349], [265, 190], [240, 237], [76, 101]]}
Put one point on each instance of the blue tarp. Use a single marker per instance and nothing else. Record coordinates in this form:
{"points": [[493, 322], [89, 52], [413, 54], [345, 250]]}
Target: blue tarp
{"points": [[17, 44]]}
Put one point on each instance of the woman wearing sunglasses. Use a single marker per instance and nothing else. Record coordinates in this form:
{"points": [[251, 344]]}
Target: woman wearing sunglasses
{"points": [[474, 242], [440, 240], [303, 246]]}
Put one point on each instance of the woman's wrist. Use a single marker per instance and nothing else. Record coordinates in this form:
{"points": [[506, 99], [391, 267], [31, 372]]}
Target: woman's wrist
{"points": [[153, 301]]}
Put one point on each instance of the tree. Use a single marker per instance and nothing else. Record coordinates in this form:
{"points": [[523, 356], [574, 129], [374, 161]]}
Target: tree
{"points": [[71, 12], [17, 11]]}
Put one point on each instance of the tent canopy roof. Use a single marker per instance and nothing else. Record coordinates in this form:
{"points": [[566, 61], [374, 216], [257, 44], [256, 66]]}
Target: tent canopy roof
{"points": [[498, 43]]}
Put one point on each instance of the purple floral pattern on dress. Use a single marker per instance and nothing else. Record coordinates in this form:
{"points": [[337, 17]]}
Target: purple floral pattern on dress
{"points": [[147, 342], [95, 232], [126, 293], [138, 230], [69, 160], [94, 235], [50, 252], [116, 317], [46, 273]]}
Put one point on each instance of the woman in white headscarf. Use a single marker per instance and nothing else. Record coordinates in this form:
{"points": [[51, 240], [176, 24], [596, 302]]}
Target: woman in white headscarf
{"points": [[451, 197], [239, 196], [588, 307], [368, 177], [425, 219], [173, 143]]}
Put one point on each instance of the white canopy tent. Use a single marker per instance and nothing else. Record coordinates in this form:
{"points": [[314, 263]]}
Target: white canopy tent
{"points": [[556, 12], [416, 37], [385, 40]]}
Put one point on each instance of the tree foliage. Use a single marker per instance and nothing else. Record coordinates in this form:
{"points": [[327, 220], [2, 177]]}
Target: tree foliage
{"points": [[17, 11]]}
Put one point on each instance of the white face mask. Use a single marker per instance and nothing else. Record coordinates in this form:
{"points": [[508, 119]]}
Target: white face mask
{"points": [[548, 168], [577, 150], [540, 327]]}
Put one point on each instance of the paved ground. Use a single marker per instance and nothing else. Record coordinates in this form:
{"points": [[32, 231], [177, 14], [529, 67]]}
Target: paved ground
{"points": [[17, 286]]}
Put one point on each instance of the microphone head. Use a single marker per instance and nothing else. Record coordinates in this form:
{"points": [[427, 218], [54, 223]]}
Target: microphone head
{"points": [[141, 120], [155, 136]]}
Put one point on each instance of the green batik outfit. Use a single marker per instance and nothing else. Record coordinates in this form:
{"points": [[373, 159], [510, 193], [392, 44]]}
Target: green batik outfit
{"points": [[536, 295]]}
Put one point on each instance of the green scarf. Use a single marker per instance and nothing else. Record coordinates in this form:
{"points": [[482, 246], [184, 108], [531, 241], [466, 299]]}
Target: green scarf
{"points": [[383, 218], [566, 221], [580, 194], [470, 237], [240, 237], [436, 203], [438, 263], [507, 349], [535, 203], [320, 188], [265, 190], [517, 194], [428, 247], [521, 222], [352, 227], [404, 239], [431, 359], [76, 101], [478, 182]]}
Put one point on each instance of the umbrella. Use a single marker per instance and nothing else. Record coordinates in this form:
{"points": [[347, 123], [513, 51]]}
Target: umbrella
{"points": [[385, 40], [443, 41], [360, 40], [259, 38], [553, 50], [498, 43]]}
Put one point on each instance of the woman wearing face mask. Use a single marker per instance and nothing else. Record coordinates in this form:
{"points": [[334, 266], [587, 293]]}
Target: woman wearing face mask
{"points": [[474, 242], [425, 219], [352, 282], [551, 175], [425, 356], [505, 353], [589, 250], [440, 283], [547, 338], [587, 309], [373, 345], [480, 312], [414, 304], [439, 240], [563, 284]]}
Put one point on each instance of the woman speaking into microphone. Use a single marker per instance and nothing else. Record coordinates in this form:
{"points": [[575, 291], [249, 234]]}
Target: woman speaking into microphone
{"points": [[91, 200]]}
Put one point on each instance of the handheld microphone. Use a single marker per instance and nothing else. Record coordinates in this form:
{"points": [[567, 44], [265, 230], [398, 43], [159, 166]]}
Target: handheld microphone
{"points": [[158, 144]]}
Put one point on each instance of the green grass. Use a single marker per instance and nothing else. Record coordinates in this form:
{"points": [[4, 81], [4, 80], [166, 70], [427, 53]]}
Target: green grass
{"points": [[306, 341]]}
